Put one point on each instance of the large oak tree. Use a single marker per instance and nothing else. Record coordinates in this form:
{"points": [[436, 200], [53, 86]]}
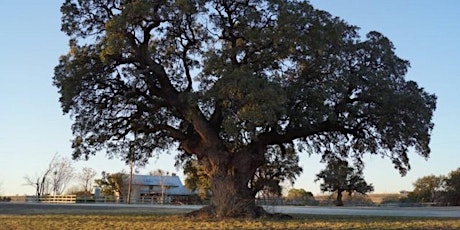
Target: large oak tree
{"points": [[225, 80]]}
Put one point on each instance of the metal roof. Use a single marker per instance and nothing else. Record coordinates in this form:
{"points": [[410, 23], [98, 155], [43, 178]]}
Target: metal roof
{"points": [[173, 183], [146, 180]]}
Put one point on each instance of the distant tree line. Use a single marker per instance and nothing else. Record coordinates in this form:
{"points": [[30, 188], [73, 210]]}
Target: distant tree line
{"points": [[444, 190], [337, 177]]}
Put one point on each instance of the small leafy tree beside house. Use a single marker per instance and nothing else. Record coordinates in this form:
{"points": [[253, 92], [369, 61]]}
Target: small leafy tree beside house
{"points": [[112, 184], [339, 177]]}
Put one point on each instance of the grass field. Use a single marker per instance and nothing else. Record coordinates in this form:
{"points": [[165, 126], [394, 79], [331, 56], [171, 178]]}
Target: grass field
{"points": [[174, 221]]}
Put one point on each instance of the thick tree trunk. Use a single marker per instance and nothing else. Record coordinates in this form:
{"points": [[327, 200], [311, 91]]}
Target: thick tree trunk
{"points": [[339, 201], [231, 195]]}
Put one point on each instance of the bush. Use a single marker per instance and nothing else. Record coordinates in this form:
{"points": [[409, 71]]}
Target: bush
{"points": [[390, 199], [5, 199], [357, 199]]}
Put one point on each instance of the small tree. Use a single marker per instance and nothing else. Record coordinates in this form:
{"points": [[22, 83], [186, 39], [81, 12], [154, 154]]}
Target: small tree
{"points": [[62, 172], [111, 184], [38, 182], [300, 196], [428, 189], [339, 177], [41, 182], [452, 185], [86, 178]]}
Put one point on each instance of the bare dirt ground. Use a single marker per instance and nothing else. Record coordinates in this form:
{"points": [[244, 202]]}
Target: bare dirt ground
{"points": [[40, 208]]}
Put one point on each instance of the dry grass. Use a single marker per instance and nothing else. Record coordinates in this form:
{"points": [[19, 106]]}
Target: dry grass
{"points": [[168, 221]]}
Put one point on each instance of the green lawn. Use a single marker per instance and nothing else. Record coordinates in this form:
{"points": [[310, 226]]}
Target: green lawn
{"points": [[168, 221]]}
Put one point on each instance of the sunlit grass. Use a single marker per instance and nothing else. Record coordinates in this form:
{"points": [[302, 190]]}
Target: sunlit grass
{"points": [[166, 221]]}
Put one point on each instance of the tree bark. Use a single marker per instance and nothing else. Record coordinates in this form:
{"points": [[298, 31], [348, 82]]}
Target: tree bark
{"points": [[339, 201], [231, 195]]}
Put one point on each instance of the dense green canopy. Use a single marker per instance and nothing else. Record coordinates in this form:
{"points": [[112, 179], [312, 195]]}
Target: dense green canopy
{"points": [[224, 80]]}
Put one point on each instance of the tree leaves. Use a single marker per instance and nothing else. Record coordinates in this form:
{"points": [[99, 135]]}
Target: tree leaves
{"points": [[339, 177], [237, 75]]}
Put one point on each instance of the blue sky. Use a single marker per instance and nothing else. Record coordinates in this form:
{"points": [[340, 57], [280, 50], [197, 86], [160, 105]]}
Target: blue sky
{"points": [[33, 127]]}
